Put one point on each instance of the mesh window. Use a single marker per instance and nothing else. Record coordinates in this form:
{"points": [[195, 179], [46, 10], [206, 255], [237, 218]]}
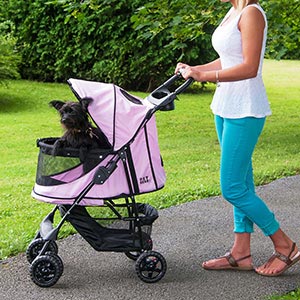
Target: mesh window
{"points": [[67, 165], [53, 170]]}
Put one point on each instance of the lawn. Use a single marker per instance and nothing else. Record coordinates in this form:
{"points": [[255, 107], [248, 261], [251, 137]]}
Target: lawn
{"points": [[187, 141]]}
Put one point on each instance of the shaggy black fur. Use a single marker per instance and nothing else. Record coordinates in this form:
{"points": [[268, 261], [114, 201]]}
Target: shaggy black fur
{"points": [[79, 133]]}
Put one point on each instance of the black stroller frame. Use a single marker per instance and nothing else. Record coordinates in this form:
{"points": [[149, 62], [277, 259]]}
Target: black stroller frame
{"points": [[46, 267]]}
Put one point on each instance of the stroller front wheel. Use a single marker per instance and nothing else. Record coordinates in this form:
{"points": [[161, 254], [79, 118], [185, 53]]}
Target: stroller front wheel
{"points": [[36, 246], [151, 267], [45, 270]]}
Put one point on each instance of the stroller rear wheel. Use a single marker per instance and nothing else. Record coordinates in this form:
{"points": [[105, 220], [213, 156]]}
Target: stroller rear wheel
{"points": [[45, 270], [151, 266], [36, 246]]}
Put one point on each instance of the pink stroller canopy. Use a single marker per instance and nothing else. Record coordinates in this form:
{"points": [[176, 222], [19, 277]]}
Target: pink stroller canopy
{"points": [[118, 114]]}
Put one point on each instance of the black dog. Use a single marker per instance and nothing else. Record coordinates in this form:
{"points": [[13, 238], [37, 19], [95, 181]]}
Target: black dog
{"points": [[79, 133]]}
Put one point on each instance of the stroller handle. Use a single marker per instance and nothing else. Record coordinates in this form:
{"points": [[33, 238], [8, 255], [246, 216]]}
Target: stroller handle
{"points": [[163, 98]]}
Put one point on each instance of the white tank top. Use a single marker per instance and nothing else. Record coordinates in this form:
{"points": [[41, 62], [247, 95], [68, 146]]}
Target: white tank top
{"points": [[244, 98]]}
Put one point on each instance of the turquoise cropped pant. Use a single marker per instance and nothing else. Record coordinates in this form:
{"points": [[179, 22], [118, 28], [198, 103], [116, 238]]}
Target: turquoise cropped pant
{"points": [[238, 138]]}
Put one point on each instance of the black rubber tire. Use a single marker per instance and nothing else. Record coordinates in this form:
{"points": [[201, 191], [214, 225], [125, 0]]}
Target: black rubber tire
{"points": [[36, 246], [46, 270], [151, 266], [57, 257]]}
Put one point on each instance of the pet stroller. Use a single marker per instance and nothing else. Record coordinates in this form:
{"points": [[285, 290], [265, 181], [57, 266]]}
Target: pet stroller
{"points": [[74, 181]]}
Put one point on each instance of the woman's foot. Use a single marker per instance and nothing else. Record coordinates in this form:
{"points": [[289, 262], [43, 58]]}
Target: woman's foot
{"points": [[238, 258], [228, 262], [280, 261]]}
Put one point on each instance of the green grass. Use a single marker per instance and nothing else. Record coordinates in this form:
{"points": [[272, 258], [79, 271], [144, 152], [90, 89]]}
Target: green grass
{"points": [[294, 295], [186, 136]]}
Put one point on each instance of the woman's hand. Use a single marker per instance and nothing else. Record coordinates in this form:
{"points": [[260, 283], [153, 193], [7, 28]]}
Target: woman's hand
{"points": [[180, 68], [199, 73], [185, 70]]}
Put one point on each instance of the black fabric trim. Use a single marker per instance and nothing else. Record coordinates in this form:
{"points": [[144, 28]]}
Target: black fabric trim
{"points": [[73, 90], [136, 189], [46, 146], [73, 198], [114, 118], [149, 156], [48, 181], [131, 98], [120, 196]]}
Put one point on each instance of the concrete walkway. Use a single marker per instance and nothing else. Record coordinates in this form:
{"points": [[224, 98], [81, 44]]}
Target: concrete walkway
{"points": [[186, 235]]}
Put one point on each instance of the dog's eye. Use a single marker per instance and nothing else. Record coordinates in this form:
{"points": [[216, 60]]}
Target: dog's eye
{"points": [[69, 110]]}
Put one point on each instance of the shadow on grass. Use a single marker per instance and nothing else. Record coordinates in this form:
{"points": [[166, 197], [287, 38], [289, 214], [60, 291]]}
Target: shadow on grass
{"points": [[13, 103]]}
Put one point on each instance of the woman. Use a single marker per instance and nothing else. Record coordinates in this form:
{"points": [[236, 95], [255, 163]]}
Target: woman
{"points": [[240, 107]]}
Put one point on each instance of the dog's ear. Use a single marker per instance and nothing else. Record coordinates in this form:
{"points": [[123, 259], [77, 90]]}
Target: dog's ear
{"points": [[85, 103], [57, 104]]}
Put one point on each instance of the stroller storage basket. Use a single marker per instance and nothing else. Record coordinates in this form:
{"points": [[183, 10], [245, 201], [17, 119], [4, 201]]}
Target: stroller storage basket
{"points": [[121, 236]]}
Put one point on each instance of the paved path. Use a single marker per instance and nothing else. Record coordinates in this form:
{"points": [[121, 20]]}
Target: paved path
{"points": [[186, 235]]}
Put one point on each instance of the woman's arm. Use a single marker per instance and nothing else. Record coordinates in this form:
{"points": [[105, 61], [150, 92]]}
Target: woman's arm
{"points": [[212, 66], [252, 26]]}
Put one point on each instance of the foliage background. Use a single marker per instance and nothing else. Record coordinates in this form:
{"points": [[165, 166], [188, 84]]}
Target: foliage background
{"points": [[131, 43], [9, 57]]}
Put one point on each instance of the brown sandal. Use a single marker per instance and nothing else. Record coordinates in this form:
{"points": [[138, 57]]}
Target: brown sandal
{"points": [[288, 260], [232, 264]]}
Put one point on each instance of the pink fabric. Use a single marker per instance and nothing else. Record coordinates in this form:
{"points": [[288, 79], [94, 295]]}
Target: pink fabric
{"points": [[70, 175], [120, 120], [117, 117]]}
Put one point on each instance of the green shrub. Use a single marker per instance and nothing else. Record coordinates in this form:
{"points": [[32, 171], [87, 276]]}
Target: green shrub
{"points": [[98, 44], [9, 59], [134, 44], [284, 29]]}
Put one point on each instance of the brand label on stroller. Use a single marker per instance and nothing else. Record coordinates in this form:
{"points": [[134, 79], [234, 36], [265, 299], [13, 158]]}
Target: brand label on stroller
{"points": [[144, 179]]}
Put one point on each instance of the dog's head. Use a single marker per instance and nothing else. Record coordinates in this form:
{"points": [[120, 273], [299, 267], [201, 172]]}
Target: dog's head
{"points": [[73, 115]]}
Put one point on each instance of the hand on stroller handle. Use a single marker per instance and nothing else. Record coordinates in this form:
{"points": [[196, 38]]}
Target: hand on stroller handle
{"points": [[181, 71], [162, 96], [174, 78]]}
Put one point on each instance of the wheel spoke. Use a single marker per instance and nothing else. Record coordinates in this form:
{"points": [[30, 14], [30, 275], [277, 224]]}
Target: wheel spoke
{"points": [[150, 274], [144, 268]]}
